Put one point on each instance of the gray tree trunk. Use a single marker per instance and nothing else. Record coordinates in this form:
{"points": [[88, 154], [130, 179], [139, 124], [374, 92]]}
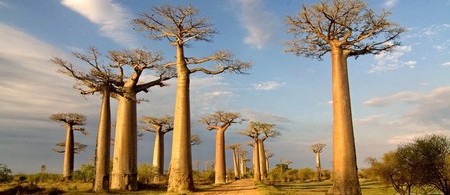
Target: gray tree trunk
{"points": [[68, 153]]}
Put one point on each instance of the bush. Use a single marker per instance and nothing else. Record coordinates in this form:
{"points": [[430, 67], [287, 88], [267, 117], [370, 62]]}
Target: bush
{"points": [[146, 173], [305, 174], [86, 173], [5, 174]]}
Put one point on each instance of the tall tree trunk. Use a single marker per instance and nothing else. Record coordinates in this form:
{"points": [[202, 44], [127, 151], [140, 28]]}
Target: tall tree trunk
{"points": [[262, 161], [101, 181], [318, 167], [267, 165], [180, 179], [220, 168], [256, 170], [345, 175], [241, 166], [124, 173], [68, 153], [158, 153], [236, 164]]}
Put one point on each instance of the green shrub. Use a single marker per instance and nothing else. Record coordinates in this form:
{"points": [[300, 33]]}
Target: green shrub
{"points": [[5, 174]]}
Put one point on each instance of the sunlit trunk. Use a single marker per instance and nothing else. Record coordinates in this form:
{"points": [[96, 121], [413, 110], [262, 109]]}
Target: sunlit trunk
{"points": [[318, 167], [158, 153], [236, 164], [241, 166], [345, 175], [262, 161], [101, 182], [124, 173], [267, 165], [220, 167], [180, 179], [256, 171], [68, 153]]}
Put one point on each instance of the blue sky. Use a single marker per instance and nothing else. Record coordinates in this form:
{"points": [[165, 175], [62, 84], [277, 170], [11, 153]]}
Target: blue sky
{"points": [[395, 96]]}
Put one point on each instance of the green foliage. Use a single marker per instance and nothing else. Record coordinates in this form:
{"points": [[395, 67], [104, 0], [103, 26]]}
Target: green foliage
{"points": [[5, 174], [204, 177], [418, 165], [86, 173], [146, 173], [305, 174]]}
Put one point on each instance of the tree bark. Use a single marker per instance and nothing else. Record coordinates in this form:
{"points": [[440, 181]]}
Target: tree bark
{"points": [[256, 171], [267, 165], [236, 164], [180, 179], [345, 175], [220, 168], [124, 173], [158, 153], [262, 161], [68, 153], [101, 181], [318, 167]]}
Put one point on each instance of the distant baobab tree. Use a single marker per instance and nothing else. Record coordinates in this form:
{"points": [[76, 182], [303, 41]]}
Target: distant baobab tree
{"points": [[220, 121], [179, 25], [254, 130], [235, 150], [195, 140], [73, 122], [268, 156], [77, 147], [317, 149], [99, 79], [159, 126], [345, 28]]}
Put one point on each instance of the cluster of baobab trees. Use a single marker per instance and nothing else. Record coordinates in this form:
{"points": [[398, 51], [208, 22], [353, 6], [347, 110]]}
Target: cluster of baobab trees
{"points": [[345, 28]]}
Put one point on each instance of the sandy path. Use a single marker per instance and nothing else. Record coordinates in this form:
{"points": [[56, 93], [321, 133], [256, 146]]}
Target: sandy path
{"points": [[242, 186]]}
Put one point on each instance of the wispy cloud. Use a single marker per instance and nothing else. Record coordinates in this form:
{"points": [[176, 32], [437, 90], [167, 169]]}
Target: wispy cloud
{"points": [[404, 96], [268, 85], [401, 139], [112, 18], [446, 64], [386, 61], [3, 4], [389, 4], [259, 23]]}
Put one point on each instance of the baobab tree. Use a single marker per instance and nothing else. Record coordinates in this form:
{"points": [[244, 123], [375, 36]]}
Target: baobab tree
{"points": [[134, 62], [220, 121], [235, 150], [73, 122], [317, 149], [159, 126], [345, 28], [255, 159], [99, 79], [195, 140], [254, 130], [268, 156], [179, 25]]}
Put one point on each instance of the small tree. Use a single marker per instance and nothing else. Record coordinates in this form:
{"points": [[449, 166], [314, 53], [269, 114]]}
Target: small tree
{"points": [[179, 25], [220, 121], [159, 126], [345, 28], [61, 148], [265, 130], [317, 149], [195, 140], [5, 174], [235, 150], [73, 121]]}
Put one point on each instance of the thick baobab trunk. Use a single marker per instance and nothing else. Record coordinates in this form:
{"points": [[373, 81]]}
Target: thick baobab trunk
{"points": [[68, 153], [318, 167], [180, 179], [262, 161], [235, 164], [158, 154], [241, 166], [124, 173], [101, 181], [267, 165], [220, 167], [256, 170], [345, 175]]}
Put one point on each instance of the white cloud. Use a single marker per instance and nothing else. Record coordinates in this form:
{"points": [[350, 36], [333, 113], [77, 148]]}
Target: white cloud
{"points": [[268, 86], [3, 4], [401, 139], [446, 64], [386, 61], [259, 23], [113, 19], [404, 96], [253, 115], [371, 120], [390, 3]]}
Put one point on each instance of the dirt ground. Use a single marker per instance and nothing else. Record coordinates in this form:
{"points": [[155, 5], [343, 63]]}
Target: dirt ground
{"points": [[242, 186]]}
